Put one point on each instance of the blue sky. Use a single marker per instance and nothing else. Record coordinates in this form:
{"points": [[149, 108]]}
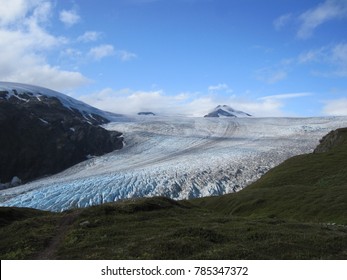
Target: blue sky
{"points": [[268, 58]]}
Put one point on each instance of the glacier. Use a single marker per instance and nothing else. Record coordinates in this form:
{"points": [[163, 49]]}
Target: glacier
{"points": [[177, 157]]}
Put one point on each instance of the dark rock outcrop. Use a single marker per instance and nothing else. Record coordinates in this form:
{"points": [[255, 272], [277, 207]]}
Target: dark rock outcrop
{"points": [[331, 140], [41, 136], [146, 114]]}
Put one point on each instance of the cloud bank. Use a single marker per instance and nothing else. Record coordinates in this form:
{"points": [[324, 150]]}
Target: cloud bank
{"points": [[128, 101], [24, 42], [336, 107], [28, 48]]}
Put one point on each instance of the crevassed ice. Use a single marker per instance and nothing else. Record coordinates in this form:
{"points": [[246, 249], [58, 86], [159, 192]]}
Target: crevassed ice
{"points": [[176, 157]]}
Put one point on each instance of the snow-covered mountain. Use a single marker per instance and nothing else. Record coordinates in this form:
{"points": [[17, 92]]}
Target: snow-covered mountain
{"points": [[25, 93], [177, 157], [44, 132], [226, 111]]}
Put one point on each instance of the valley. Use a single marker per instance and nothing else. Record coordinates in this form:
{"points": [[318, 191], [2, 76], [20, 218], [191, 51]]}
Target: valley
{"points": [[176, 157]]}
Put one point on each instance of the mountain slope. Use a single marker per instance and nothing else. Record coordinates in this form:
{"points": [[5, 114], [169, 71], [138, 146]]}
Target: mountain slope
{"points": [[308, 187], [44, 132], [296, 211], [226, 111], [19, 93]]}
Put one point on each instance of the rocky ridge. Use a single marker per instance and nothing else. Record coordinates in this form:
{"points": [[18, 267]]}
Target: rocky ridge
{"points": [[40, 135]]}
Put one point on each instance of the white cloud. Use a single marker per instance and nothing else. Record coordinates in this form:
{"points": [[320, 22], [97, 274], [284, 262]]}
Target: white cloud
{"points": [[218, 87], [339, 59], [326, 61], [89, 36], [281, 21], [286, 95], [336, 107], [261, 108], [276, 76], [271, 75], [273, 105], [24, 44], [69, 18], [333, 57], [51, 77], [127, 101], [313, 18], [15, 10], [125, 55], [27, 47], [101, 51], [311, 55], [72, 53]]}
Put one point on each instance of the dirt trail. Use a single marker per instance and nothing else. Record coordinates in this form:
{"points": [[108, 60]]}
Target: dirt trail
{"points": [[65, 224]]}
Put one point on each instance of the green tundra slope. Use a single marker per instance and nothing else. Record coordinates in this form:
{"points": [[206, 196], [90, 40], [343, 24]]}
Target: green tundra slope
{"points": [[295, 211], [307, 188]]}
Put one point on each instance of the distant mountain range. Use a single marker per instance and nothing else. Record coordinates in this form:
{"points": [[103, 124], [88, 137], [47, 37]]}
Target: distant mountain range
{"points": [[226, 111], [44, 132]]}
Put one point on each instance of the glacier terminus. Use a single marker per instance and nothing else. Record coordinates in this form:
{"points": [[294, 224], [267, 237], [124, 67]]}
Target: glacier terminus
{"points": [[176, 157]]}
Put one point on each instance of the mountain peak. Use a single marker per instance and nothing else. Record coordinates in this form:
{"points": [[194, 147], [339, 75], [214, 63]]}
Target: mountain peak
{"points": [[23, 93], [226, 111]]}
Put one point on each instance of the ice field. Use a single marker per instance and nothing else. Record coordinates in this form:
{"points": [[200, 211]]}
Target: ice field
{"points": [[177, 157]]}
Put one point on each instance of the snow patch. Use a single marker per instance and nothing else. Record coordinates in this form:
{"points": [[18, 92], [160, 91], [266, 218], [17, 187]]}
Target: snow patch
{"points": [[44, 121]]}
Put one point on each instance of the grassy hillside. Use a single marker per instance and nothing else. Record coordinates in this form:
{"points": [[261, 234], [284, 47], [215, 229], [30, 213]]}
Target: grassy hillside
{"points": [[309, 188], [296, 211]]}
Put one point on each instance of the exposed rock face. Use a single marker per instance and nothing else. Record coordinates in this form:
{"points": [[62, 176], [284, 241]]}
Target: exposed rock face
{"points": [[146, 114], [40, 136], [331, 140]]}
